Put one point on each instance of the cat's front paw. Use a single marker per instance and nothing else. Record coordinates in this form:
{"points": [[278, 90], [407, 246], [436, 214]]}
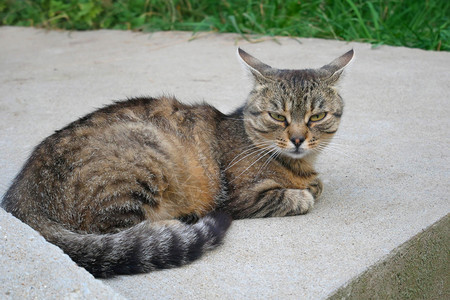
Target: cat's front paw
{"points": [[301, 200]]}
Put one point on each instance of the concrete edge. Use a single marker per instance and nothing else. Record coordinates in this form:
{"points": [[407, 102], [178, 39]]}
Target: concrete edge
{"points": [[418, 269], [33, 268]]}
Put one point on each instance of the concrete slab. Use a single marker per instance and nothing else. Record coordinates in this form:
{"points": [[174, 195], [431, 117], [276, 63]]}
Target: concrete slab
{"points": [[386, 177]]}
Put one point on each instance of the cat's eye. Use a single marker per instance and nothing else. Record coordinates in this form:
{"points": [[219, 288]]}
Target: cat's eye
{"points": [[317, 117], [278, 117]]}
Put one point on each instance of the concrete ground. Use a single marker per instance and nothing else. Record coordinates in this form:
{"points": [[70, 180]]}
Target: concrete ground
{"points": [[386, 176]]}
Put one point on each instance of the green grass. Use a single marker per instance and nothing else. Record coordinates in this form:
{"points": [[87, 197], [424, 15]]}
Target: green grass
{"points": [[411, 23]]}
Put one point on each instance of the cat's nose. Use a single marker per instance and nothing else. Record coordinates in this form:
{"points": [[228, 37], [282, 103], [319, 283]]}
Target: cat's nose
{"points": [[297, 141]]}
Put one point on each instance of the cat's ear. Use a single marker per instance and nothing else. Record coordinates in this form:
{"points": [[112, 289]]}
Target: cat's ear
{"points": [[334, 69], [258, 69]]}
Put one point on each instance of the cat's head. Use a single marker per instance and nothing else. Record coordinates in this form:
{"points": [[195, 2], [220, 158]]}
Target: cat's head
{"points": [[293, 112]]}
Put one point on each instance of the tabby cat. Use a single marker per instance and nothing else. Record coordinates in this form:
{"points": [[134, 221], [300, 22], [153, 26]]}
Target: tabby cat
{"points": [[151, 183]]}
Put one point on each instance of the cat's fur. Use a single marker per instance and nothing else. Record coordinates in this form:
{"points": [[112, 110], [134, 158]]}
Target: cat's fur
{"points": [[150, 183]]}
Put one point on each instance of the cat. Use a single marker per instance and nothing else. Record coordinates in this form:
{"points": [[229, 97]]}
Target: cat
{"points": [[152, 183]]}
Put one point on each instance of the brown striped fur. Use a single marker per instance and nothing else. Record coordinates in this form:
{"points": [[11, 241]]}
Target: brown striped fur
{"points": [[110, 187]]}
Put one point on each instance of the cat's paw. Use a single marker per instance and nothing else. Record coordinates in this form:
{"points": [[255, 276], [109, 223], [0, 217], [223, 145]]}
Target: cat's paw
{"points": [[316, 188], [301, 200]]}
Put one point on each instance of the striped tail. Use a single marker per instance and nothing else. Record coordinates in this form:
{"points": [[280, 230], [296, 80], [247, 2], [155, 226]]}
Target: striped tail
{"points": [[144, 247]]}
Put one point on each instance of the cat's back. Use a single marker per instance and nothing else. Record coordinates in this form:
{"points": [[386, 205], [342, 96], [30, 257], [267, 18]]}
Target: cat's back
{"points": [[142, 148]]}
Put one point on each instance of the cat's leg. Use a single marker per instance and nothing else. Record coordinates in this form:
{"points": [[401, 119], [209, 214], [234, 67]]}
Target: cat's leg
{"points": [[283, 202], [118, 204], [269, 199], [304, 198]]}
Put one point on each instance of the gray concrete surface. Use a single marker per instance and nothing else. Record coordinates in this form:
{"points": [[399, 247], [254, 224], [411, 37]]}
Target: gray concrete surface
{"points": [[386, 176], [418, 269]]}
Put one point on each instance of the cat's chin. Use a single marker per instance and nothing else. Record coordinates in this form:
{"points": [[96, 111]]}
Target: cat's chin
{"points": [[296, 154]]}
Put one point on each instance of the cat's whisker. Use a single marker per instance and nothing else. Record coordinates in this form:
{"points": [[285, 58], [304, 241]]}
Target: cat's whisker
{"points": [[261, 155], [318, 149], [252, 145], [256, 152], [255, 145], [247, 149], [332, 143], [271, 151], [346, 149], [252, 150], [332, 149], [275, 154]]}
